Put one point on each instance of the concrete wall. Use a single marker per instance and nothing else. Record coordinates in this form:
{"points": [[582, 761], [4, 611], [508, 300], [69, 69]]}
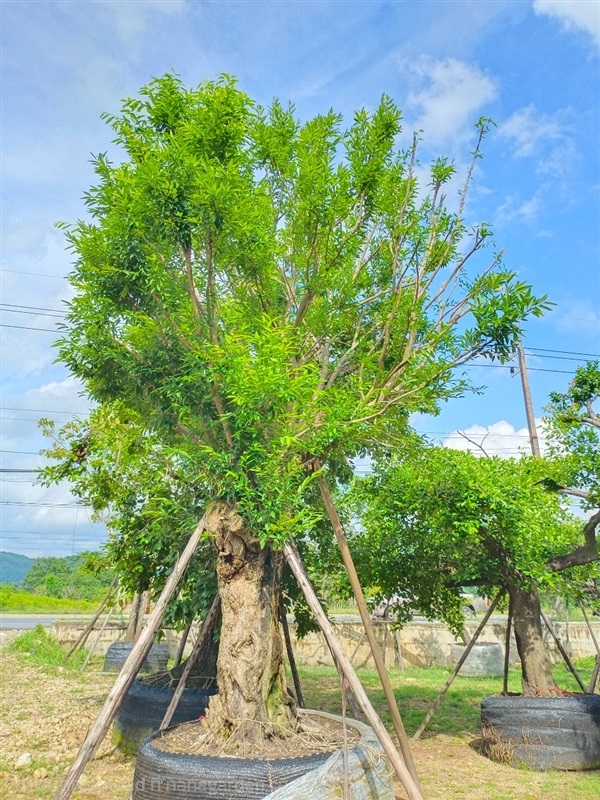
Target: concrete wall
{"points": [[423, 644]]}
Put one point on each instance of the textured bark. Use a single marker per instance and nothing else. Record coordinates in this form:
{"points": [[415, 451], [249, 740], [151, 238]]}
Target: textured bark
{"points": [[132, 634], [536, 669], [250, 666]]}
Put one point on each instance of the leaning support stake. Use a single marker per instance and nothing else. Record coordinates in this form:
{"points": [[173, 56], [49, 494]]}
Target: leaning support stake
{"points": [[293, 558], [207, 627], [461, 661], [290, 653], [84, 635], [181, 646], [368, 626], [92, 649], [596, 671], [563, 652], [507, 648], [130, 668]]}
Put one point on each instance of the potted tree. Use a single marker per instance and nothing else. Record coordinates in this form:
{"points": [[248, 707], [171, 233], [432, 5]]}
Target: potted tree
{"points": [[273, 298], [440, 519]]}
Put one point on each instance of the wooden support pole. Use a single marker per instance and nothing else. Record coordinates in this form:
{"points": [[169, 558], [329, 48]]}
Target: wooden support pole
{"points": [[563, 652], [129, 670], [290, 653], [595, 675], [368, 626], [461, 661], [95, 645], [181, 646], [84, 635], [596, 671], [507, 648], [205, 631], [293, 558], [399, 650], [357, 648]]}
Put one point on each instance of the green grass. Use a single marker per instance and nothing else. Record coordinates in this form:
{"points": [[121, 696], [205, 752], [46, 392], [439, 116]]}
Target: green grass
{"points": [[416, 689], [38, 648], [13, 601]]}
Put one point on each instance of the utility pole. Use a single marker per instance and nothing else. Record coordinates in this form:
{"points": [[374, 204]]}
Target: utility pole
{"points": [[533, 438]]}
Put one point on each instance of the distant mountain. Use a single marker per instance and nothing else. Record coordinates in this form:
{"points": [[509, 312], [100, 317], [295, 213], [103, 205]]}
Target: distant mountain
{"points": [[13, 567]]}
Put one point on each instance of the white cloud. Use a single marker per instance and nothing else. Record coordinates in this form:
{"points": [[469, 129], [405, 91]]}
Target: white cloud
{"points": [[583, 15], [544, 137], [448, 97], [576, 317], [516, 210], [500, 439]]}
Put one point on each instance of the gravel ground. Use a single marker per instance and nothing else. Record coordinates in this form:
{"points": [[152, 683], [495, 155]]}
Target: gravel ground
{"points": [[44, 718]]}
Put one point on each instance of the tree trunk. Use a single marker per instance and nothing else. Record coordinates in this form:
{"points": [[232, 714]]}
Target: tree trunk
{"points": [[133, 628], [536, 669], [250, 666]]}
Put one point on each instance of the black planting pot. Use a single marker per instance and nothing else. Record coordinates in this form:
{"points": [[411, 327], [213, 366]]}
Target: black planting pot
{"points": [[542, 732], [176, 776], [155, 661], [144, 707]]}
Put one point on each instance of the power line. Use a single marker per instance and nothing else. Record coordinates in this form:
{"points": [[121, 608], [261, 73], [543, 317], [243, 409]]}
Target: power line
{"points": [[28, 328], [39, 274], [41, 410], [41, 505], [564, 352], [34, 308]]}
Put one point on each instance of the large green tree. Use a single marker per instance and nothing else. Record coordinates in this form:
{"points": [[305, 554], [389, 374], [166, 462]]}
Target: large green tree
{"points": [[435, 520], [272, 297]]}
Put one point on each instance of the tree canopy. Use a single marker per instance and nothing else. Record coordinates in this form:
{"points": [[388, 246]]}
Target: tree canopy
{"points": [[437, 519], [262, 292]]}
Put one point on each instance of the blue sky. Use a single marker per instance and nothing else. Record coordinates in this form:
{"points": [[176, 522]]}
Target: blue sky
{"points": [[531, 66]]}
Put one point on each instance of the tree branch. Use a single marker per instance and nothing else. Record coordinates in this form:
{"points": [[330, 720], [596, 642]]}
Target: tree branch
{"points": [[583, 555]]}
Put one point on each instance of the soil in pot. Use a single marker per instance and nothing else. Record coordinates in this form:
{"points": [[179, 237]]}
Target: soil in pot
{"points": [[542, 733]]}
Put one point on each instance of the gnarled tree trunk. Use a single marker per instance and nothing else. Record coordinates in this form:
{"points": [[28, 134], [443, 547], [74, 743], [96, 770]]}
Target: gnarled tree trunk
{"points": [[250, 666], [536, 669]]}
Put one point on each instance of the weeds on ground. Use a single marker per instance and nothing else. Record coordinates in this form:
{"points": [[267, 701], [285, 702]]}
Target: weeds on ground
{"points": [[38, 648]]}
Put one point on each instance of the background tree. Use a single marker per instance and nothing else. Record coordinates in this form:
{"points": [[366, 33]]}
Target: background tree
{"points": [[268, 295], [84, 576], [435, 520], [573, 425]]}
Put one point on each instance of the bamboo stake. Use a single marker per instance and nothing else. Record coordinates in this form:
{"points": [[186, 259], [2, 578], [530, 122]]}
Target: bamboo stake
{"points": [[290, 653], [101, 724], [399, 649], [507, 647], [368, 626], [563, 652], [293, 558], [596, 671], [84, 635], [181, 646], [357, 648], [95, 645], [595, 675], [191, 662], [461, 661]]}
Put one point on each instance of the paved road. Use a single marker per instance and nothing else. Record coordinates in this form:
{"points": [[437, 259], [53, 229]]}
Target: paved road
{"points": [[26, 622]]}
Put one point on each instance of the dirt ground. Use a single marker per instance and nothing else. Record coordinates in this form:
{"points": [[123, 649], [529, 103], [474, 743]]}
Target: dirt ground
{"points": [[45, 715]]}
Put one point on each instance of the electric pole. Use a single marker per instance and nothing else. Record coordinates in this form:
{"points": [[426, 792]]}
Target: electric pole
{"points": [[533, 438]]}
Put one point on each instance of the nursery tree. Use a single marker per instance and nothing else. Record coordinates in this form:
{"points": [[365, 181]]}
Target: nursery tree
{"points": [[273, 298], [435, 520]]}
